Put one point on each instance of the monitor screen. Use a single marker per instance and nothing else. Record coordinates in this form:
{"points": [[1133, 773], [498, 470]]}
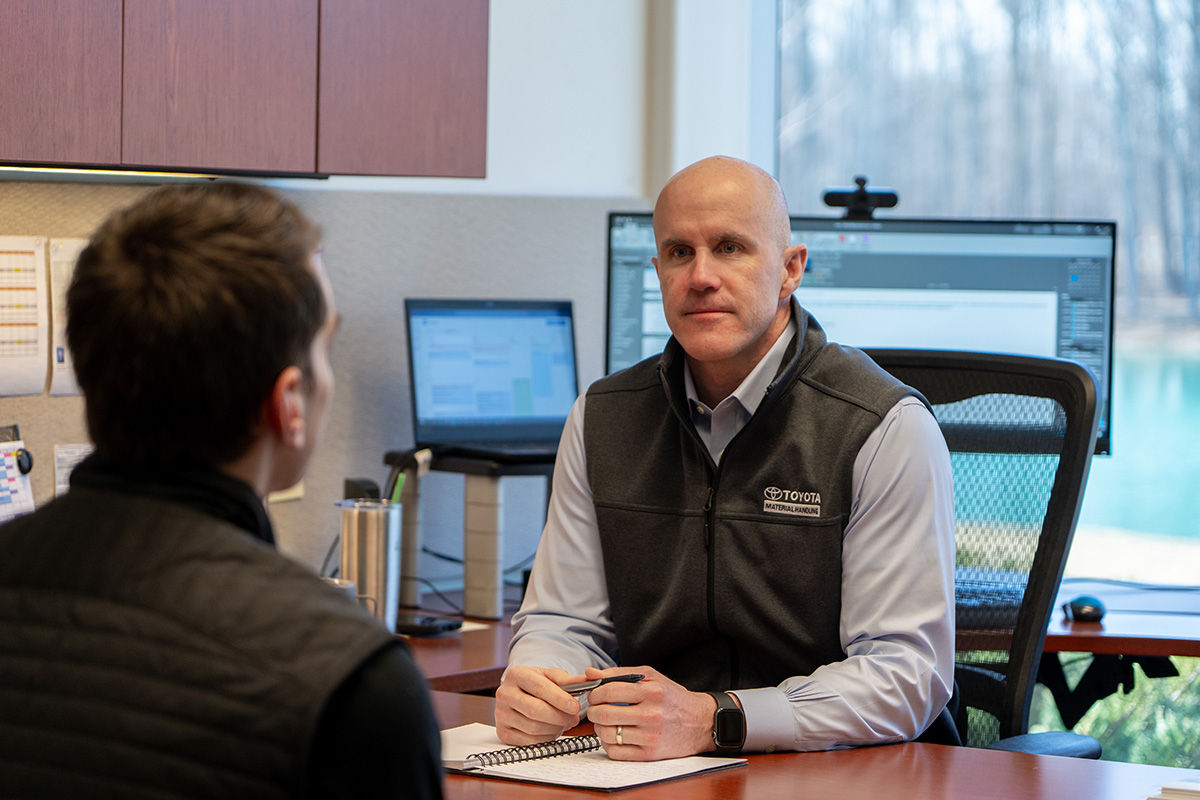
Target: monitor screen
{"points": [[1032, 287], [490, 370]]}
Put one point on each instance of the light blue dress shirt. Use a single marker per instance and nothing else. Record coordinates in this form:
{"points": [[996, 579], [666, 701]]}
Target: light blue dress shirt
{"points": [[897, 582]]}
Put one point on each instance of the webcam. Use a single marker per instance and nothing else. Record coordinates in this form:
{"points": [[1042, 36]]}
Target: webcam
{"points": [[861, 202]]}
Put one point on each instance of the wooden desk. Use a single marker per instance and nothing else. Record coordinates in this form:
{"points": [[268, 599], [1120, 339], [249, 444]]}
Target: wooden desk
{"points": [[1144, 625], [1146, 634], [1141, 621], [893, 771], [464, 661]]}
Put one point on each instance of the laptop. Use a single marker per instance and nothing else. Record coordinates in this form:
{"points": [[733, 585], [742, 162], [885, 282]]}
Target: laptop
{"points": [[491, 379]]}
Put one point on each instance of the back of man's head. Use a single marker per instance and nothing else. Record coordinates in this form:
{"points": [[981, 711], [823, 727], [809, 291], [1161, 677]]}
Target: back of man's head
{"points": [[184, 309]]}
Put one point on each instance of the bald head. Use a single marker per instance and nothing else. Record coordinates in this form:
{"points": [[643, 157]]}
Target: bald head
{"points": [[737, 181]]}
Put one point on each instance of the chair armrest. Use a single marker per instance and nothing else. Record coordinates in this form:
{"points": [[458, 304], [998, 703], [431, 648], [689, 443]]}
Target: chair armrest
{"points": [[1051, 743]]}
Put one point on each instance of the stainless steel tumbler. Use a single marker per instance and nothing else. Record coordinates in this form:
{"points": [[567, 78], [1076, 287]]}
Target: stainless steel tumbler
{"points": [[371, 554]]}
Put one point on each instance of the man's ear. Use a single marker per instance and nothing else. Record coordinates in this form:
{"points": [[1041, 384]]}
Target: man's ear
{"points": [[795, 258], [284, 411]]}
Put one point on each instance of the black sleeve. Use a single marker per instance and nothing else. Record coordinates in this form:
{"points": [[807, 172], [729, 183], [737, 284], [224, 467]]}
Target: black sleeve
{"points": [[378, 736]]}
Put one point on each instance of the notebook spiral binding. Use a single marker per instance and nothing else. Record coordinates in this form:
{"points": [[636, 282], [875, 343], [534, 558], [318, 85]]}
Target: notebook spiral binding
{"points": [[528, 752]]}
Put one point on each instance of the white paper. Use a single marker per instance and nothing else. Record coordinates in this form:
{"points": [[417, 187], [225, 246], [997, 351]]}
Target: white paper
{"points": [[63, 255], [66, 456], [16, 494], [24, 316], [591, 769]]}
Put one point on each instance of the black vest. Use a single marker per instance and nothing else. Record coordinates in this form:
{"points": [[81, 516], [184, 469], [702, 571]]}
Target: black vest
{"points": [[149, 650], [729, 576]]}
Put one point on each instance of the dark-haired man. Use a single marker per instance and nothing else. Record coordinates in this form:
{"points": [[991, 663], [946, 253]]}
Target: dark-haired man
{"points": [[152, 641], [758, 520]]}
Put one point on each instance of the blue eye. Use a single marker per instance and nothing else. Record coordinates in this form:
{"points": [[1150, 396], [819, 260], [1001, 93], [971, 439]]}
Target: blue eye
{"points": [[729, 248]]}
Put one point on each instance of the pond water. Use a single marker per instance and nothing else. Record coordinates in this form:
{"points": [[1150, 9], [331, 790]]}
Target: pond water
{"points": [[1151, 483]]}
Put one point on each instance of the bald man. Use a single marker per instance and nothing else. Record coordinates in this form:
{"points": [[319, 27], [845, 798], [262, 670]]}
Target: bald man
{"points": [[759, 521]]}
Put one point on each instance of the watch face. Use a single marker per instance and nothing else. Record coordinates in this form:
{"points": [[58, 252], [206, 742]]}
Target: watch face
{"points": [[729, 727]]}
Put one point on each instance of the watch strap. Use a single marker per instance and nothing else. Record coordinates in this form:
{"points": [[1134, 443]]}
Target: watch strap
{"points": [[728, 708]]}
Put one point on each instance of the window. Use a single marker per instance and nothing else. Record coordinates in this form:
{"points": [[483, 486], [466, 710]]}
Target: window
{"points": [[1077, 109]]}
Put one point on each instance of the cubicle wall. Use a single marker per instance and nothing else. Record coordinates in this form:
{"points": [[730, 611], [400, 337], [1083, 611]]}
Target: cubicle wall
{"points": [[379, 248]]}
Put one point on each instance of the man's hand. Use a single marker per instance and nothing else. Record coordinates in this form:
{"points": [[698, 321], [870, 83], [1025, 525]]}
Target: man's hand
{"points": [[656, 717], [531, 708]]}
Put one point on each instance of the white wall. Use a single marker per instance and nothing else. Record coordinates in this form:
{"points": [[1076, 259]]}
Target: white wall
{"points": [[566, 104], [713, 84], [595, 99]]}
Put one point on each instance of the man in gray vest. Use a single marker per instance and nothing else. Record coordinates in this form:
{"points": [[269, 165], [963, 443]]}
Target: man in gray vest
{"points": [[759, 521], [153, 643]]}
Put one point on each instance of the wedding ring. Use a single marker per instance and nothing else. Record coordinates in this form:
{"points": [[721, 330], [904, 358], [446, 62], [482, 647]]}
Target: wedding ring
{"points": [[619, 736]]}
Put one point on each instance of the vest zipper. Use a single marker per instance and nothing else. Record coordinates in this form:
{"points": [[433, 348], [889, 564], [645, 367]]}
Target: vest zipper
{"points": [[708, 520], [710, 542], [710, 547]]}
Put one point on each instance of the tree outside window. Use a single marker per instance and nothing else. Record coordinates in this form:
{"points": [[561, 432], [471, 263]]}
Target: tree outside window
{"points": [[1071, 109]]}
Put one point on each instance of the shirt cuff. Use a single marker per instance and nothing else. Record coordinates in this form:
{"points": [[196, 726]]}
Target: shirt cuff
{"points": [[769, 721]]}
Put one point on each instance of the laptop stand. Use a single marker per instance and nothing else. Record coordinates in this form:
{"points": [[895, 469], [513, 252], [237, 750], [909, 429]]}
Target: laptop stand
{"points": [[483, 523]]}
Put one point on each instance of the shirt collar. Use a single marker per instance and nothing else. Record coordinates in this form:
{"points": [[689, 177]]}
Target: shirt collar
{"points": [[753, 388]]}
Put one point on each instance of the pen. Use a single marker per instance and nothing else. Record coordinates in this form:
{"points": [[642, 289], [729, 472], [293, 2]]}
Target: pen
{"points": [[576, 689]]}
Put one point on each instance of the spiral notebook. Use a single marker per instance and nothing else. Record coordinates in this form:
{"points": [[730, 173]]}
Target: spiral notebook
{"points": [[575, 761]]}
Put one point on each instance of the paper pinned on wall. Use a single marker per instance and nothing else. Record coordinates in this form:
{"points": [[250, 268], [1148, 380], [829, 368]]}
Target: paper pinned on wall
{"points": [[23, 315], [63, 255], [16, 493], [66, 456]]}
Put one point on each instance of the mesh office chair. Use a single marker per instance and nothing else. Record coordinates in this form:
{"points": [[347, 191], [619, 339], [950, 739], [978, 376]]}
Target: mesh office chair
{"points": [[1021, 431]]}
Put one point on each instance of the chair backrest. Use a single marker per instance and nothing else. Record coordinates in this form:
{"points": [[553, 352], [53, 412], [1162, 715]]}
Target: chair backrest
{"points": [[1021, 431]]}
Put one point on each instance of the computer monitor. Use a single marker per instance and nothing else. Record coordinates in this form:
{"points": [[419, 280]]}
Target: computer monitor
{"points": [[1032, 287], [491, 374]]}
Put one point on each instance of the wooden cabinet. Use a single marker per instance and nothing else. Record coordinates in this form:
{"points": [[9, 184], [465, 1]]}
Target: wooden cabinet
{"points": [[220, 84], [400, 87], [60, 81], [403, 87]]}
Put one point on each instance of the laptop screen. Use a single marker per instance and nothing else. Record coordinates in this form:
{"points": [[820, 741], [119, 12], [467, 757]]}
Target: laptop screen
{"points": [[490, 371]]}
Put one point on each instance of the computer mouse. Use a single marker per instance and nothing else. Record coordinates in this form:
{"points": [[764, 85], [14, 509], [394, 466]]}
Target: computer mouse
{"points": [[1084, 608]]}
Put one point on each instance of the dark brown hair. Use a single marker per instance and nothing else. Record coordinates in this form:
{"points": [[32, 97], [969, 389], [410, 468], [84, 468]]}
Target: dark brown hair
{"points": [[183, 310]]}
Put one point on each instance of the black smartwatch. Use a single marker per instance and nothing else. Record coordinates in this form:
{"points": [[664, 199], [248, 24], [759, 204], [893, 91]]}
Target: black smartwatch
{"points": [[729, 724]]}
